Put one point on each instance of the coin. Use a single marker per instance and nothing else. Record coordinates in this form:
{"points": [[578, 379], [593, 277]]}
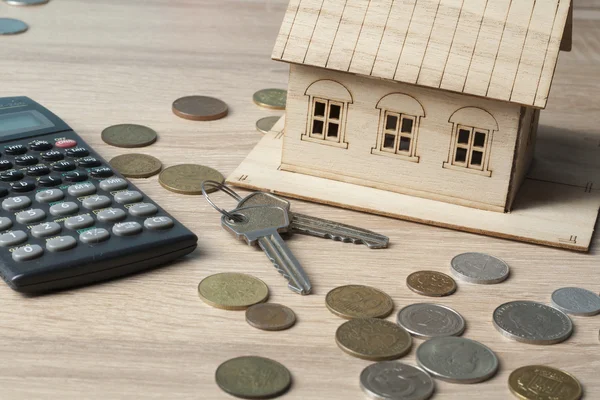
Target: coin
{"points": [[270, 317], [274, 99], [457, 360], [531, 322], [431, 320], [129, 135], [232, 291], [136, 165], [200, 108], [431, 283], [252, 377], [479, 268], [357, 301], [10, 26], [393, 380], [539, 382], [373, 339], [26, 2], [265, 124], [576, 301], [188, 178]]}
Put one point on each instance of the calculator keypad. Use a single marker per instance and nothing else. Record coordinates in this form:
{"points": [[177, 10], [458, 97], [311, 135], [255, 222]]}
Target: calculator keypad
{"points": [[12, 238], [16, 203], [26, 253], [61, 243], [46, 229]]}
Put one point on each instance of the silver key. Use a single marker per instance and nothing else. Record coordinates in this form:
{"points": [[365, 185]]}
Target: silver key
{"points": [[261, 225], [305, 224]]}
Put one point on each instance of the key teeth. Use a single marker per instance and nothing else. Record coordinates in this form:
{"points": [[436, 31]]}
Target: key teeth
{"points": [[346, 239], [291, 285]]}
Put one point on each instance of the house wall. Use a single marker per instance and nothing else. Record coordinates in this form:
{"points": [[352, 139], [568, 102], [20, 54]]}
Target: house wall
{"points": [[355, 163]]}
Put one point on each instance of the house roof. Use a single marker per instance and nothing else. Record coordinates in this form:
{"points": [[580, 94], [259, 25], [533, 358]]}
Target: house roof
{"points": [[500, 49]]}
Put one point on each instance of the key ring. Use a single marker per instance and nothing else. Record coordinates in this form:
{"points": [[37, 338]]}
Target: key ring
{"points": [[223, 188]]}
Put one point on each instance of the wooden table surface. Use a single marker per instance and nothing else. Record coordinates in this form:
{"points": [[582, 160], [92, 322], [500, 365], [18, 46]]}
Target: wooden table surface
{"points": [[103, 62]]}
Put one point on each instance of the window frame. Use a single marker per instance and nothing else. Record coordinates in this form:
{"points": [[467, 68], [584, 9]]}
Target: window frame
{"points": [[470, 147], [339, 139], [413, 135]]}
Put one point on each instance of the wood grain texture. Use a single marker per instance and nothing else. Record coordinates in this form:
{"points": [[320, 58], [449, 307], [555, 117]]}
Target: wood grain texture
{"points": [[97, 63]]}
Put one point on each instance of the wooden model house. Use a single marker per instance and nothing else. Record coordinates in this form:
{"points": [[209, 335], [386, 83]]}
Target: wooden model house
{"points": [[438, 99]]}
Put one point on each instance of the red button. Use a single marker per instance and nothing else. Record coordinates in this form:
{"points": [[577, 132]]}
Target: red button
{"points": [[65, 144]]}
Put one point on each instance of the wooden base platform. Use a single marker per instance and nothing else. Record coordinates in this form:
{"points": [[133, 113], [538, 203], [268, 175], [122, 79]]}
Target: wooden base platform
{"points": [[553, 207]]}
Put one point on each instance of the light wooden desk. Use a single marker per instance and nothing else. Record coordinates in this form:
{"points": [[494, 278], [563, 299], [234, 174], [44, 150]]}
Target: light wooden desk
{"points": [[98, 63]]}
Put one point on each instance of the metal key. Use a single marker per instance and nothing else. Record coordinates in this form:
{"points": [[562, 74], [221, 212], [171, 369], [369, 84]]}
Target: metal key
{"points": [[261, 225], [313, 226]]}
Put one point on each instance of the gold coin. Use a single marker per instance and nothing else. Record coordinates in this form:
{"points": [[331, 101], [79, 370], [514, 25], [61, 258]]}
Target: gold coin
{"points": [[129, 135], [373, 339], [265, 124], [431, 283], [358, 301], [539, 382], [200, 108], [273, 99], [253, 377], [188, 178], [136, 165], [232, 291], [270, 317]]}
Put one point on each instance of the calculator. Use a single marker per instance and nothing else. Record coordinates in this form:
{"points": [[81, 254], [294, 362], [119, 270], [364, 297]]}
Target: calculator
{"points": [[67, 218]]}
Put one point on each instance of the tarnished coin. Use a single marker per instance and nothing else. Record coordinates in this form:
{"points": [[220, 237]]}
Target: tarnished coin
{"points": [[200, 108], [136, 165], [253, 377], [188, 178], [232, 291], [373, 339], [457, 360], [531, 322], [576, 301], [479, 268], [431, 320], [265, 124], [431, 283], [274, 99], [10, 26], [539, 382], [26, 2], [358, 301], [129, 135], [393, 380], [270, 317]]}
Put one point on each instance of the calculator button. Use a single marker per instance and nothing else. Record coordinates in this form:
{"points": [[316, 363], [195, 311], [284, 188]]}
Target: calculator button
{"points": [[96, 235], [49, 181], [3, 192], [15, 149], [40, 145], [66, 208], [128, 196], [112, 184], [46, 229], [26, 253], [49, 195], [75, 176], [26, 160], [82, 189], [23, 186], [111, 215], [78, 152], [53, 155], [5, 223], [143, 209], [102, 172], [38, 170], [11, 176], [12, 238], [129, 228], [79, 222], [64, 166], [16, 203], [5, 165], [88, 162], [30, 216], [61, 243], [96, 202], [65, 144], [158, 223]]}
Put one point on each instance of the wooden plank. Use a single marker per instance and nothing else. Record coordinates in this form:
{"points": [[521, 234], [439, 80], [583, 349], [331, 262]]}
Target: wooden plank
{"points": [[286, 27], [325, 30], [370, 37], [302, 30], [511, 49], [347, 35]]}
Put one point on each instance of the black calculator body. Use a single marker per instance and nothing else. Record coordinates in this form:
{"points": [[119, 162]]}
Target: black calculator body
{"points": [[66, 218]]}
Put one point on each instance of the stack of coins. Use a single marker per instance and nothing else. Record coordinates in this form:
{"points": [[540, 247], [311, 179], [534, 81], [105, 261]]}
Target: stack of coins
{"points": [[272, 99]]}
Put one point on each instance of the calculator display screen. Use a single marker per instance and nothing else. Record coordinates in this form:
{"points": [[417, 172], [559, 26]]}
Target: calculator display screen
{"points": [[22, 122]]}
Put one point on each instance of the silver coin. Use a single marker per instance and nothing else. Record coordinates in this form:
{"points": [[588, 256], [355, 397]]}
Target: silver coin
{"points": [[431, 320], [531, 322], [393, 380], [9, 26], [26, 2], [576, 301], [457, 360], [479, 268]]}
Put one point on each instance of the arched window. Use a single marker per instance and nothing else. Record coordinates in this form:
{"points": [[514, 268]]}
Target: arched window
{"points": [[327, 113], [399, 119]]}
